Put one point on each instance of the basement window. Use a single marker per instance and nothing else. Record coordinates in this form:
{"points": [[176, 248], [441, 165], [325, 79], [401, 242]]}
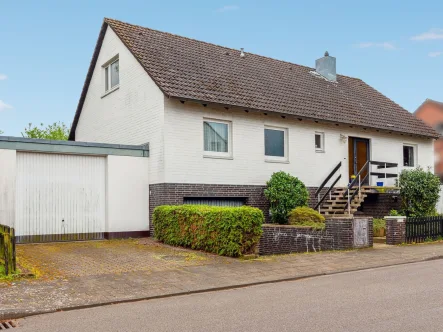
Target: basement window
{"points": [[409, 154], [112, 74], [215, 201]]}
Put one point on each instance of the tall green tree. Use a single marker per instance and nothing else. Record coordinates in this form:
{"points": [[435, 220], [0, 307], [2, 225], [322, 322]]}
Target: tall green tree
{"points": [[57, 131]]}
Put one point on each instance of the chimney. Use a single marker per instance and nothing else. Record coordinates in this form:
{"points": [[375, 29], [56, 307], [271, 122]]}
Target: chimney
{"points": [[326, 67]]}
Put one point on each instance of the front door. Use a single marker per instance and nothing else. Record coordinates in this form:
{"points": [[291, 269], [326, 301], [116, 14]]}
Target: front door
{"points": [[358, 156]]}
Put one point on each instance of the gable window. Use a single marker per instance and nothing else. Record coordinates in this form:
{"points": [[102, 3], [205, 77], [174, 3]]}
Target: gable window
{"points": [[112, 76], [319, 142], [276, 145], [409, 154], [217, 138]]}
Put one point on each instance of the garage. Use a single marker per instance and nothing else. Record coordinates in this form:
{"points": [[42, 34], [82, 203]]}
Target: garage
{"points": [[70, 191], [60, 197]]}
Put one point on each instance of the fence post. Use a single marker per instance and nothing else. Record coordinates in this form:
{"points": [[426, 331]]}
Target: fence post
{"points": [[7, 249], [395, 230]]}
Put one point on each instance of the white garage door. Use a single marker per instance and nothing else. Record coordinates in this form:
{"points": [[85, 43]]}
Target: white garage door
{"points": [[60, 197]]}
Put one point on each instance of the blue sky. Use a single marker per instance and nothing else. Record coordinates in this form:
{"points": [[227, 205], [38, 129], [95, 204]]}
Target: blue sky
{"points": [[46, 46]]}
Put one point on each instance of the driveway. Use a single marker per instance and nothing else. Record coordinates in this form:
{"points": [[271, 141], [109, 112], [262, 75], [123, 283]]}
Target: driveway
{"points": [[81, 259], [385, 299], [79, 277]]}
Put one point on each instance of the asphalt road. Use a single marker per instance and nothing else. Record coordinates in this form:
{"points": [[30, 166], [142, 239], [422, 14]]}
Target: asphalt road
{"points": [[399, 298]]}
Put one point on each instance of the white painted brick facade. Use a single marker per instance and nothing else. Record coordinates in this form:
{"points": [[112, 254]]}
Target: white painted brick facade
{"points": [[133, 114], [138, 113], [184, 161]]}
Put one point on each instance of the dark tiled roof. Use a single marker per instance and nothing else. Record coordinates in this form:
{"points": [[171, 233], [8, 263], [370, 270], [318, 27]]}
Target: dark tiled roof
{"points": [[194, 70]]}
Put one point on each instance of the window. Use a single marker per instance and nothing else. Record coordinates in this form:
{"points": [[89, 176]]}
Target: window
{"points": [[215, 201], [408, 155], [217, 142], [319, 142], [276, 144], [112, 76]]}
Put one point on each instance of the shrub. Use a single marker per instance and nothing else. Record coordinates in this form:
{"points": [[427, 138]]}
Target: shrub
{"points": [[304, 214], [419, 191], [394, 213], [285, 192], [228, 231], [378, 224]]}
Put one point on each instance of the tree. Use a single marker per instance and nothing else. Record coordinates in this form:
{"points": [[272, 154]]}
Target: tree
{"points": [[285, 192], [419, 191], [57, 131]]}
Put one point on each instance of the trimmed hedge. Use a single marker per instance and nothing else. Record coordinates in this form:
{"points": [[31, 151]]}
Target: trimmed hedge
{"points": [[228, 231], [305, 216]]}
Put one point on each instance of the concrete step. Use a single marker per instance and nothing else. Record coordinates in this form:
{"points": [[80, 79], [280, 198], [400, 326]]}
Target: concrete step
{"points": [[323, 211]]}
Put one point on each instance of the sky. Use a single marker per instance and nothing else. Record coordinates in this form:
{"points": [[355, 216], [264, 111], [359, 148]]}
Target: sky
{"points": [[46, 46]]}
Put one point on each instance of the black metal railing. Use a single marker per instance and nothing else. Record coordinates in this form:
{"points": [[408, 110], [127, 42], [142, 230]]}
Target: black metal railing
{"points": [[420, 229], [324, 183], [351, 192]]}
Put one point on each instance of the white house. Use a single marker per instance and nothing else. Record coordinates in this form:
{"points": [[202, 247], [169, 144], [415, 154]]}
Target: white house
{"points": [[219, 121]]}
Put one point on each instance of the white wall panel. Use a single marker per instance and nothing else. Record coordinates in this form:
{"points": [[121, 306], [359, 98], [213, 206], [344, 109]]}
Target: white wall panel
{"points": [[185, 163], [127, 194], [133, 114], [60, 194], [7, 187]]}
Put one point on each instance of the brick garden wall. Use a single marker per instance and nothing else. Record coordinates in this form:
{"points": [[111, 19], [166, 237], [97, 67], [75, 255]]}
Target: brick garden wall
{"points": [[395, 230], [285, 239]]}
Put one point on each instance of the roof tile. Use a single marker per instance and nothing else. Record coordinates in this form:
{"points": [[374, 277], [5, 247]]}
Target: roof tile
{"points": [[190, 69]]}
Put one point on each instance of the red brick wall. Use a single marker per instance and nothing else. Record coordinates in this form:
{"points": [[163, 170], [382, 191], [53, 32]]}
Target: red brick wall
{"points": [[431, 113]]}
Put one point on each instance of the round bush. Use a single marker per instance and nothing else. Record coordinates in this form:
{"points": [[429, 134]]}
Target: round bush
{"points": [[419, 191], [285, 192], [304, 215]]}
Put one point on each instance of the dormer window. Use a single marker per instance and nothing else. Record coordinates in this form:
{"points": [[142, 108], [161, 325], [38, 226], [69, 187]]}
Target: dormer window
{"points": [[112, 77]]}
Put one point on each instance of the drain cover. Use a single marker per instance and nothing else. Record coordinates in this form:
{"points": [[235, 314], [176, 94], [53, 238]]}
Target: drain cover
{"points": [[7, 325]]}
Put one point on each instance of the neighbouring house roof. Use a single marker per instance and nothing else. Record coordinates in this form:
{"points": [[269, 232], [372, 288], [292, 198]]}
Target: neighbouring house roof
{"points": [[188, 69], [438, 104]]}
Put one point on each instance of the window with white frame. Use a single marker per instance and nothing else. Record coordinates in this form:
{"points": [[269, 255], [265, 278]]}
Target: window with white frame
{"points": [[319, 141], [276, 144], [217, 138], [112, 76], [409, 155]]}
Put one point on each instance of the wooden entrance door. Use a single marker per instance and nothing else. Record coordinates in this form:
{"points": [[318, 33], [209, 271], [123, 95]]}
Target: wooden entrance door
{"points": [[358, 156]]}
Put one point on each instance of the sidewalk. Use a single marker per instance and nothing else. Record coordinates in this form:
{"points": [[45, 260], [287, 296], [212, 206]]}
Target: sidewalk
{"points": [[28, 297]]}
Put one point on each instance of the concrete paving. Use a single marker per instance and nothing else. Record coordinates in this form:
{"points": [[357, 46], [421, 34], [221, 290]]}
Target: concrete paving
{"points": [[28, 297], [399, 298]]}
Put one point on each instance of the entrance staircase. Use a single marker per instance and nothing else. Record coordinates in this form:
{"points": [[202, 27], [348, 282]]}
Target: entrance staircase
{"points": [[337, 203], [344, 201]]}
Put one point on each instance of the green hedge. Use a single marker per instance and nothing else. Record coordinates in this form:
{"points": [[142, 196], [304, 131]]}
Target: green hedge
{"points": [[228, 231], [305, 216]]}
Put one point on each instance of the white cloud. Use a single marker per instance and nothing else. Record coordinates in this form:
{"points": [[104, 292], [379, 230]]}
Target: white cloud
{"points": [[384, 45], [4, 106], [228, 8], [3, 77], [435, 54], [432, 34]]}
